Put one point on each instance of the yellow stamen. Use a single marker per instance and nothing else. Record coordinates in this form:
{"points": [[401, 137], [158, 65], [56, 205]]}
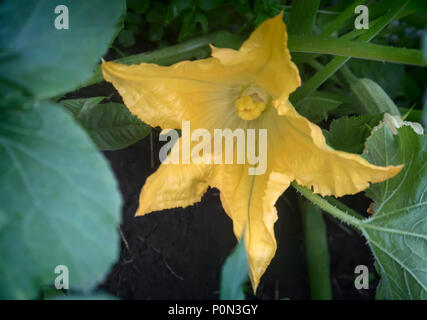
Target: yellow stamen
{"points": [[251, 104]]}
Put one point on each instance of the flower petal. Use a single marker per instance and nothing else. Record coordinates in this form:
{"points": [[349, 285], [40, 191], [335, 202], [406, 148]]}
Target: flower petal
{"points": [[266, 57], [249, 201], [173, 186], [314, 164], [164, 96]]}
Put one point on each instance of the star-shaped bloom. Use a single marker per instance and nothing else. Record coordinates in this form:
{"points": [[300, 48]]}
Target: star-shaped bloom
{"points": [[248, 89]]}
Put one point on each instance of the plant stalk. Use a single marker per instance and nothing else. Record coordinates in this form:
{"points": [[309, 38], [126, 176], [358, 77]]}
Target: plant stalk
{"points": [[329, 208], [317, 251]]}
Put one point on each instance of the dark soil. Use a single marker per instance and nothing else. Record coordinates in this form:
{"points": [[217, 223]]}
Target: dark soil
{"points": [[178, 253]]}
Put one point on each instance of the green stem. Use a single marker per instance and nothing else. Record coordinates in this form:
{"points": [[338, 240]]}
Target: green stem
{"points": [[336, 203], [318, 66], [299, 57], [326, 206], [357, 33], [319, 11], [303, 16], [317, 251], [320, 77], [356, 49], [375, 12]]}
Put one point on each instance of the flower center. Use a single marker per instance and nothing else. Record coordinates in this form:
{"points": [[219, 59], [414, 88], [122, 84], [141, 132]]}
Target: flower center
{"points": [[251, 103]]}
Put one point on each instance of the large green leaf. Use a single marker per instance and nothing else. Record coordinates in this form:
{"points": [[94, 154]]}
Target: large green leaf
{"points": [[45, 61], [235, 274], [350, 133], [397, 233], [61, 203], [3, 219], [317, 106], [370, 98], [111, 126], [389, 76]]}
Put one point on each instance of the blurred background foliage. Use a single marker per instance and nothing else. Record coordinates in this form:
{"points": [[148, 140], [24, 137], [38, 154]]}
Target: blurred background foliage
{"points": [[150, 25]]}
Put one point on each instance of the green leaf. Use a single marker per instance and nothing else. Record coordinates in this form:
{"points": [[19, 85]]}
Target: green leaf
{"points": [[350, 133], [51, 293], [190, 22], [157, 13], [412, 88], [46, 61], [3, 219], [11, 96], [139, 6], [371, 98], [187, 27], [111, 126], [175, 9], [201, 19], [234, 274], [134, 22], [80, 106], [207, 5], [388, 75], [92, 296], [424, 45], [303, 16], [317, 252], [226, 39], [243, 7], [126, 38], [397, 233], [260, 18], [156, 32], [317, 106], [424, 114], [61, 200], [411, 114]]}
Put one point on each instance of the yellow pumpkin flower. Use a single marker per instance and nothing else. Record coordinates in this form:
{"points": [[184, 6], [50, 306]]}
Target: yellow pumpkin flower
{"points": [[248, 88]]}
